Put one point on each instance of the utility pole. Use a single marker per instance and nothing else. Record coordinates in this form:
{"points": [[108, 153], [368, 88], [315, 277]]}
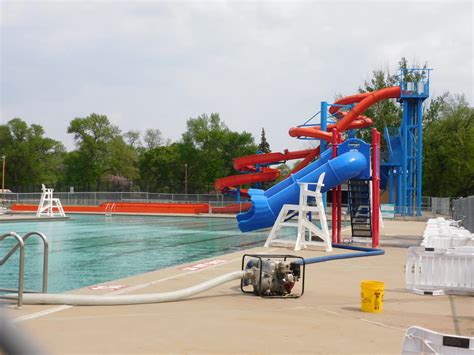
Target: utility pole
{"points": [[186, 178], [3, 175]]}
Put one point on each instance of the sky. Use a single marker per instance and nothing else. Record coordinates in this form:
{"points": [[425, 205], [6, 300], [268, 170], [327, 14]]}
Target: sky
{"points": [[258, 64]]}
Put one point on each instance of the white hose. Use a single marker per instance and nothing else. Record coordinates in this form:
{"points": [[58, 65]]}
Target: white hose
{"points": [[93, 300]]}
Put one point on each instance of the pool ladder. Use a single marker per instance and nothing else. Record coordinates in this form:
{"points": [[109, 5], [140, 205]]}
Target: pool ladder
{"points": [[109, 209], [20, 244]]}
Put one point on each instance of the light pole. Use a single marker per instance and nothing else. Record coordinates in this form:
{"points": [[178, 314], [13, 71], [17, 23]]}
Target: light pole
{"points": [[186, 178], [3, 174]]}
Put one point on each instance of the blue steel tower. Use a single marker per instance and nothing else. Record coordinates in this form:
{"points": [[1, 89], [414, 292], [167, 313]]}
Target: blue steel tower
{"points": [[405, 144]]}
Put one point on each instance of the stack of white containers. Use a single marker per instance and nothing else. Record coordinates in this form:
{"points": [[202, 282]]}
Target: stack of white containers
{"points": [[442, 233], [444, 264]]}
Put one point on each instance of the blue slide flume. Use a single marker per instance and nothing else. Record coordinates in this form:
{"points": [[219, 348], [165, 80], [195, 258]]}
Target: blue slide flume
{"points": [[266, 205]]}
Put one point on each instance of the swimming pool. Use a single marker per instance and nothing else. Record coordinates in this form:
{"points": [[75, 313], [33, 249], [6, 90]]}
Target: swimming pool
{"points": [[90, 249]]}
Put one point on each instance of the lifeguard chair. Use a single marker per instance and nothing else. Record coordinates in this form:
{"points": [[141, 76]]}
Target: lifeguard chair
{"points": [[307, 217], [49, 206]]}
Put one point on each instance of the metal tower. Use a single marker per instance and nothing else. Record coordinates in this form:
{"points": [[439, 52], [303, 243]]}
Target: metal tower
{"points": [[405, 144]]}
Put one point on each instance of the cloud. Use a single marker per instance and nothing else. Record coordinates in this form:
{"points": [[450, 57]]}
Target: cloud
{"points": [[259, 64]]}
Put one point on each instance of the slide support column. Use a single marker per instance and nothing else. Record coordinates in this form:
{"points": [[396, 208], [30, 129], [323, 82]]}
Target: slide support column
{"points": [[334, 190], [375, 187], [419, 155], [403, 202], [322, 143], [339, 199]]}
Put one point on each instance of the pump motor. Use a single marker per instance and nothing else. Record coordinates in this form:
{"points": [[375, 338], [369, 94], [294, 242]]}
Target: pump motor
{"points": [[273, 275]]}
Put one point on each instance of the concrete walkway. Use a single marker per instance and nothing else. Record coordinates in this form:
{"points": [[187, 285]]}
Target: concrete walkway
{"points": [[325, 320], [14, 217]]}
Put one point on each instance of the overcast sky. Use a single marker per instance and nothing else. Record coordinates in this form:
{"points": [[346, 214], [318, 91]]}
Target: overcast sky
{"points": [[259, 64]]}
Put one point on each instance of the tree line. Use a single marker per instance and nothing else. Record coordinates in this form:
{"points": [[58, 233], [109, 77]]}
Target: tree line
{"points": [[104, 158]]}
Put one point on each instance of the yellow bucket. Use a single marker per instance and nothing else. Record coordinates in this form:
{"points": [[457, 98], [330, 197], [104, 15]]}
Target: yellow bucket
{"points": [[371, 296]]}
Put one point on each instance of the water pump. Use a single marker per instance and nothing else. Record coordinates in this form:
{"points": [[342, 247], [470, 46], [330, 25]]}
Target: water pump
{"points": [[273, 275]]}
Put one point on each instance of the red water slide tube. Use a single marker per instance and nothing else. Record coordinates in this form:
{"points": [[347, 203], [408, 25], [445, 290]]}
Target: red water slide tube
{"points": [[248, 164], [351, 119], [366, 100]]}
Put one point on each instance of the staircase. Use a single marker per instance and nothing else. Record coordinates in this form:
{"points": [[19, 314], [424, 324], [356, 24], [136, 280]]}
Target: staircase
{"points": [[359, 207]]}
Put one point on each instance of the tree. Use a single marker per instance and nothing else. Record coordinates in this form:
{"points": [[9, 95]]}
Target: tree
{"points": [[161, 169], [206, 151], [448, 140], [211, 144], [264, 147], [132, 138], [31, 157], [101, 152], [153, 138]]}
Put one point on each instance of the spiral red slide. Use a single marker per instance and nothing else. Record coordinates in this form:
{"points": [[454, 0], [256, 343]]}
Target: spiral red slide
{"points": [[352, 119], [247, 164]]}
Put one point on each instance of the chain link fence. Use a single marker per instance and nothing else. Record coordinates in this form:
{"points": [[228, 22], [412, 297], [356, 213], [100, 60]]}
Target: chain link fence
{"points": [[463, 209], [97, 198], [435, 205], [441, 205]]}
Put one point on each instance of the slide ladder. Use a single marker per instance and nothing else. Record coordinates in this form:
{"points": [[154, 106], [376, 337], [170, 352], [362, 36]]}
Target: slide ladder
{"points": [[360, 210], [309, 233]]}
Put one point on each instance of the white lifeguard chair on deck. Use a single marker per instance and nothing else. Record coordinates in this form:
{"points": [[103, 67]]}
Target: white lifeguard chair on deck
{"points": [[305, 224], [49, 206]]}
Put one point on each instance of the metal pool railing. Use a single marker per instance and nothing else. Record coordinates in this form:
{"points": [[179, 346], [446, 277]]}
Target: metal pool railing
{"points": [[21, 268]]}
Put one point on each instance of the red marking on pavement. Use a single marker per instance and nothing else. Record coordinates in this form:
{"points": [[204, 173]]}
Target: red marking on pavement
{"points": [[204, 265]]}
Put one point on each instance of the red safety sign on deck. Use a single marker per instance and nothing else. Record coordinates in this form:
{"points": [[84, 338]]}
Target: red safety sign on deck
{"points": [[107, 287], [204, 265]]}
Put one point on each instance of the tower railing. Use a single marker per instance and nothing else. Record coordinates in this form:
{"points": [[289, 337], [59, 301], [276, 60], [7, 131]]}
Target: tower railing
{"points": [[414, 82]]}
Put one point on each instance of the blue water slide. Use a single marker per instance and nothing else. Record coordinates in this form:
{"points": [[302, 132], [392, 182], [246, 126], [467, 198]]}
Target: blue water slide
{"points": [[266, 205]]}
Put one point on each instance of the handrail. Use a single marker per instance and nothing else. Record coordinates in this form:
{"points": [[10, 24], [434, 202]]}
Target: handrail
{"points": [[21, 276], [45, 256], [21, 273]]}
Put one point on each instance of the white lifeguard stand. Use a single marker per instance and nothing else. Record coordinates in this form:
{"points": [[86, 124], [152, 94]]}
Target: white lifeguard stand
{"points": [[306, 225], [49, 206]]}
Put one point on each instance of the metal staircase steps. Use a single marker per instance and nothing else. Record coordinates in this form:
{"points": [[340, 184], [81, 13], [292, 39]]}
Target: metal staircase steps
{"points": [[359, 208]]}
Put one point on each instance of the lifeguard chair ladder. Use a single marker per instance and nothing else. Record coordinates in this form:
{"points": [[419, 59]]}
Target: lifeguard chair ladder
{"points": [[304, 223], [49, 206]]}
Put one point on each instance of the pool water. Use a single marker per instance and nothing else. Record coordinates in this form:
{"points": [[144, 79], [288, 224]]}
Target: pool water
{"points": [[91, 249]]}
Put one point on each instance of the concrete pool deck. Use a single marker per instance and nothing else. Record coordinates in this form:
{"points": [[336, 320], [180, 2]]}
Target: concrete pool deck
{"points": [[14, 217], [223, 320]]}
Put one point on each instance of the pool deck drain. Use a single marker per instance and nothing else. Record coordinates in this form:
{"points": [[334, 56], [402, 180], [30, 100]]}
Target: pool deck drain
{"points": [[223, 320]]}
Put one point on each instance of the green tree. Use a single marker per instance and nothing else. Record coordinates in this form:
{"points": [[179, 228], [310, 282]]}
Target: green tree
{"points": [[153, 138], [215, 146], [132, 138], [101, 152], [264, 147], [448, 140], [204, 153], [31, 157], [161, 169]]}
